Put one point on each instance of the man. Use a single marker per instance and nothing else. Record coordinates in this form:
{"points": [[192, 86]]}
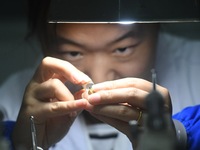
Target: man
{"points": [[105, 52]]}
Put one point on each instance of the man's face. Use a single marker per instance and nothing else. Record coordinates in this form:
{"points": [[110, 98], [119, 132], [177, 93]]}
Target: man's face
{"points": [[107, 51]]}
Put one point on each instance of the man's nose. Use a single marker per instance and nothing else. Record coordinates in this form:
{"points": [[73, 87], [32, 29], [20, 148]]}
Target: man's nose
{"points": [[101, 71]]}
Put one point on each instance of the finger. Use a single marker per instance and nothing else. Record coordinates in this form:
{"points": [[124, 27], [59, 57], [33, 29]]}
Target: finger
{"points": [[128, 82], [120, 112], [53, 89], [132, 96], [78, 95], [51, 66], [123, 83], [59, 108], [120, 125]]}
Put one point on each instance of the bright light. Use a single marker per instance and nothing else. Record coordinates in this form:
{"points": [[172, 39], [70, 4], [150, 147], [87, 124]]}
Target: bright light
{"points": [[126, 22]]}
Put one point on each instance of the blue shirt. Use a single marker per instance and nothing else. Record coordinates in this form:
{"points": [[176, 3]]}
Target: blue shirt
{"points": [[7, 128], [190, 118]]}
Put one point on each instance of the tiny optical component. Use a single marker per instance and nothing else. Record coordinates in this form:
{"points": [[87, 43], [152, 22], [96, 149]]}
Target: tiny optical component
{"points": [[88, 89]]}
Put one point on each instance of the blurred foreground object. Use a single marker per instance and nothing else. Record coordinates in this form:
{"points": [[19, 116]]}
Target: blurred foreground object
{"points": [[158, 132]]}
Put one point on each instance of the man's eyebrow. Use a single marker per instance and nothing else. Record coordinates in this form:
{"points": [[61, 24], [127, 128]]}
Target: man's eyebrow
{"points": [[62, 40], [127, 35]]}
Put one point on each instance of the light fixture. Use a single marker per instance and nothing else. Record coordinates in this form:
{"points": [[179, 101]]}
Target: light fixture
{"points": [[128, 11]]}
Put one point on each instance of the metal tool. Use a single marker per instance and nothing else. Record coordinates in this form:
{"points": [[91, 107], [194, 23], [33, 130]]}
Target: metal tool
{"points": [[33, 135], [158, 132]]}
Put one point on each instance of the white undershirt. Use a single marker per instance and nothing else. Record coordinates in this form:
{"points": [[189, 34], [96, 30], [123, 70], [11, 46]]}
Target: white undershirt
{"points": [[103, 136]]}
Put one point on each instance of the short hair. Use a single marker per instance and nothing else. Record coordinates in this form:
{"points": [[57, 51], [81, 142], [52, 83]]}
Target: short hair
{"points": [[38, 20]]}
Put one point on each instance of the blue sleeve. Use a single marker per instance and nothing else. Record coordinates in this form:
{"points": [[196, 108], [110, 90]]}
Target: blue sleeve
{"points": [[8, 127], [190, 118]]}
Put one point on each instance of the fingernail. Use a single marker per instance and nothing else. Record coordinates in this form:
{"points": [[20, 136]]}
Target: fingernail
{"points": [[99, 86], [94, 98], [85, 95], [81, 78]]}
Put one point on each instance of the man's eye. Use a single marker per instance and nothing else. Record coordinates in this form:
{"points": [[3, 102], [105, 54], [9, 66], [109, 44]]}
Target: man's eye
{"points": [[74, 54], [121, 50]]}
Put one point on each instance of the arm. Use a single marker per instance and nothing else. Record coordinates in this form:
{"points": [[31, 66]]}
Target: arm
{"points": [[190, 118]]}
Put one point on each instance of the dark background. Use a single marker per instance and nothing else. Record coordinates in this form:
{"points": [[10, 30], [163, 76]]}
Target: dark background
{"points": [[16, 52]]}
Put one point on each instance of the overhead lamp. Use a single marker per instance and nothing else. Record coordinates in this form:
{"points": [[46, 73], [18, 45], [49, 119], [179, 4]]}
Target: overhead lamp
{"points": [[124, 11]]}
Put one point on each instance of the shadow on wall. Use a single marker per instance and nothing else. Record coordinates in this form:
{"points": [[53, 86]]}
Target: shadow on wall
{"points": [[190, 30]]}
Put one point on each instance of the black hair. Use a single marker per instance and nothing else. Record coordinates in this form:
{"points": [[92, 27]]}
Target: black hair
{"points": [[38, 20]]}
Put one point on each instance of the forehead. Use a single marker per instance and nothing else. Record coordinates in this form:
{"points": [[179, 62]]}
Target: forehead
{"points": [[96, 27], [106, 30]]}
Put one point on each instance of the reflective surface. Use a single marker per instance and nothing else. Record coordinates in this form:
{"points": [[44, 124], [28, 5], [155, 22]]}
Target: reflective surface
{"points": [[124, 10]]}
